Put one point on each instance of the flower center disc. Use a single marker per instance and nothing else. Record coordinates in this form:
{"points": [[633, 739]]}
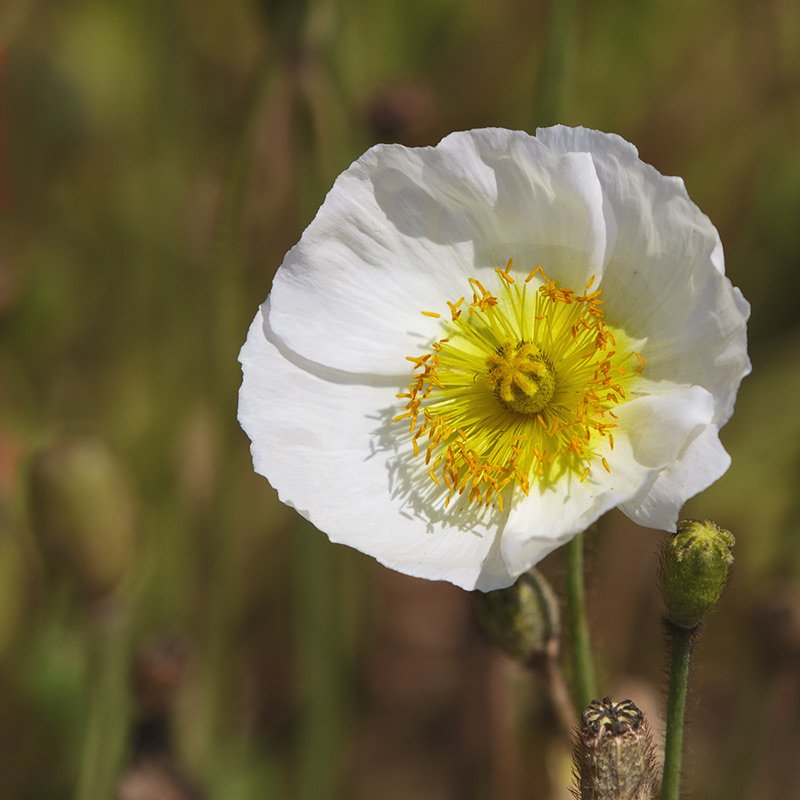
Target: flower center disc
{"points": [[521, 387], [522, 379]]}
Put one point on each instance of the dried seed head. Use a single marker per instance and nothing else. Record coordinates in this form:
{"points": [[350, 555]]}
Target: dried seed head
{"points": [[614, 756], [522, 620]]}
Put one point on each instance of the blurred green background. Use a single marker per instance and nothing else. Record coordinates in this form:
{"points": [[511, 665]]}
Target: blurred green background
{"points": [[168, 630]]}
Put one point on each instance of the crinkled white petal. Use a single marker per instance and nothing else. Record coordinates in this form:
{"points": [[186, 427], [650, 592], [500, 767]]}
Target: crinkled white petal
{"points": [[317, 437], [403, 229], [702, 461], [652, 432], [664, 273]]}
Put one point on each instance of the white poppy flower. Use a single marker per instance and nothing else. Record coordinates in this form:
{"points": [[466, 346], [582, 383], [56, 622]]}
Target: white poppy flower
{"points": [[478, 348]]}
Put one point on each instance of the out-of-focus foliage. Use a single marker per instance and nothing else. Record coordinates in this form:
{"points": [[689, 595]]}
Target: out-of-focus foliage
{"points": [[158, 159]]}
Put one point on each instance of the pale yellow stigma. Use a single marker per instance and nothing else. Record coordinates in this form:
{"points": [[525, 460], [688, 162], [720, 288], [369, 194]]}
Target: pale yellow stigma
{"points": [[521, 377], [521, 388]]}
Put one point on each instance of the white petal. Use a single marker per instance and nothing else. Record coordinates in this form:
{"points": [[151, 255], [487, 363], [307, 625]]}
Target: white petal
{"points": [[402, 229], [319, 437], [664, 277], [652, 433], [659, 426], [547, 518], [546, 209], [550, 516], [701, 462]]}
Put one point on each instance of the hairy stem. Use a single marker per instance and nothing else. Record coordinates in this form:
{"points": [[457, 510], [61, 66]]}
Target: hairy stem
{"points": [[680, 652], [584, 688]]}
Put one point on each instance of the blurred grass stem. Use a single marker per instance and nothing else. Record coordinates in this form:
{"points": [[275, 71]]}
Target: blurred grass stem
{"points": [[319, 669], [320, 672], [105, 738], [558, 690], [584, 687], [556, 59], [680, 643], [226, 302]]}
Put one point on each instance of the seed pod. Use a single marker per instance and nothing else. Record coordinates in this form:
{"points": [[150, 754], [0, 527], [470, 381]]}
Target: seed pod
{"points": [[694, 570], [522, 619], [614, 756]]}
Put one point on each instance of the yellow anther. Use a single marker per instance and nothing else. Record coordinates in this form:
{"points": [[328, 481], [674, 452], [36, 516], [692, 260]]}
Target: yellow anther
{"points": [[505, 276], [474, 282], [418, 361]]}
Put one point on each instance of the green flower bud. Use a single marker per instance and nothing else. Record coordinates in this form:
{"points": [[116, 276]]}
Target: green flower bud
{"points": [[83, 514], [694, 569], [614, 756], [522, 620]]}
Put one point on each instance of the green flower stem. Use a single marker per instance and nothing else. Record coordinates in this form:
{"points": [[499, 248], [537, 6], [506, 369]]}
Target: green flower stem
{"points": [[584, 687], [680, 652]]}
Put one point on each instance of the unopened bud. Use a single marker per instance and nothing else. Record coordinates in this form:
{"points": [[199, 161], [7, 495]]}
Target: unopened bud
{"points": [[83, 514], [694, 570], [521, 620], [614, 756]]}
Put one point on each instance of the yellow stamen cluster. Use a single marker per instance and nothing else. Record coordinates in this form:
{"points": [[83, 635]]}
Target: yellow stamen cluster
{"points": [[521, 388], [521, 377]]}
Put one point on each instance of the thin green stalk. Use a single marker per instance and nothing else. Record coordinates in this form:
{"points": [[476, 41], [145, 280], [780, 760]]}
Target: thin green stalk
{"points": [[680, 652], [555, 68], [584, 687], [319, 671], [103, 747]]}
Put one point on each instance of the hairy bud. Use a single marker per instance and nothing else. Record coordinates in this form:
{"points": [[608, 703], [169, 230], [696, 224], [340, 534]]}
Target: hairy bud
{"points": [[694, 570], [614, 756], [521, 620]]}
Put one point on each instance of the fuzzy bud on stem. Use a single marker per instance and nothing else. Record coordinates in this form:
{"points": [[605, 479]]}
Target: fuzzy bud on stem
{"points": [[84, 514], [694, 570], [614, 756], [521, 620]]}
